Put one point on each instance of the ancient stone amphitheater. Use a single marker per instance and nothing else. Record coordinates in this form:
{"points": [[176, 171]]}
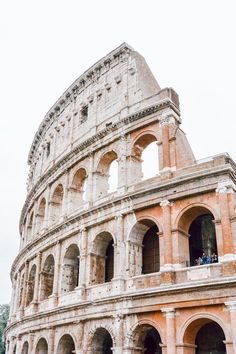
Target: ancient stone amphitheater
{"points": [[126, 264]]}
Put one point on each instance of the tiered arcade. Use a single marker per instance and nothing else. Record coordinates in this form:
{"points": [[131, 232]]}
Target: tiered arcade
{"points": [[123, 265]]}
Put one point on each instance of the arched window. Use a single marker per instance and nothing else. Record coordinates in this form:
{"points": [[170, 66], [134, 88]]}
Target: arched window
{"points": [[151, 253], [41, 214], [42, 347], [56, 203], [102, 259], [102, 342], [70, 270], [66, 345], [30, 226], [202, 241], [147, 338], [206, 336], [144, 255], [107, 174], [210, 339], [31, 285], [144, 158], [25, 349], [47, 278], [77, 189]]}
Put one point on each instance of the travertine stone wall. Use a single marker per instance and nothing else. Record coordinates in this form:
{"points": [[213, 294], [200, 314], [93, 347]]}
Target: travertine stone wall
{"points": [[80, 283]]}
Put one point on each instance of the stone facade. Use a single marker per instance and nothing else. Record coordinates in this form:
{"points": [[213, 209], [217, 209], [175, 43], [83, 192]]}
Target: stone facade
{"points": [[123, 271]]}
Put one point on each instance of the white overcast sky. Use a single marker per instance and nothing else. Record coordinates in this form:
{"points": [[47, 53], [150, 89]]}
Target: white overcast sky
{"points": [[45, 45]]}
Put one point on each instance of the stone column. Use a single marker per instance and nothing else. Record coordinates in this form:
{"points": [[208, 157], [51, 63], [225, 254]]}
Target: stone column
{"points": [[167, 244], [231, 307], [90, 180], [122, 170], [56, 280], [165, 121], [18, 345], [169, 313], [31, 343], [82, 263], [222, 191], [65, 201], [17, 294], [51, 340], [37, 280]]}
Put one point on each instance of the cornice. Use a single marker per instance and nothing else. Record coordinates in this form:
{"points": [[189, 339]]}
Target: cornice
{"points": [[79, 85], [93, 139]]}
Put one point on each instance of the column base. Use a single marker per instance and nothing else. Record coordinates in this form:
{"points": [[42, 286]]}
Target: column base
{"points": [[167, 277]]}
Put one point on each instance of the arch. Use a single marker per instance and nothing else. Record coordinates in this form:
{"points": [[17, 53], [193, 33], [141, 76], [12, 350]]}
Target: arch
{"points": [[41, 213], [103, 174], [102, 341], [102, 258], [31, 285], [70, 269], [206, 333], [146, 336], [198, 222], [144, 247], [77, 188], [25, 348], [47, 277], [56, 202], [30, 226], [141, 157], [42, 346], [66, 345]]}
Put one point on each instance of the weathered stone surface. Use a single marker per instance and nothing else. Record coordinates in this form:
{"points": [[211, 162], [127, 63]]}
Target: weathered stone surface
{"points": [[101, 268]]}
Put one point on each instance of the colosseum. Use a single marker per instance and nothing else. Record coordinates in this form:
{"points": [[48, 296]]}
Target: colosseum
{"points": [[112, 260]]}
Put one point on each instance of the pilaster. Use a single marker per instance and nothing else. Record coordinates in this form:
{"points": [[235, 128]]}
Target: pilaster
{"points": [[169, 313]]}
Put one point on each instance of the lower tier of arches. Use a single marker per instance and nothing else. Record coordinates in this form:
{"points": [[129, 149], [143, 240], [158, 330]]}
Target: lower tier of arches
{"points": [[168, 331]]}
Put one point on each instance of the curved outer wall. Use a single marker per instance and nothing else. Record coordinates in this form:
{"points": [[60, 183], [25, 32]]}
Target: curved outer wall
{"points": [[81, 282]]}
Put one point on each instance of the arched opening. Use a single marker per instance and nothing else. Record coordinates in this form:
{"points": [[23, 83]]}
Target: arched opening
{"points": [[148, 339], [25, 348], [47, 277], [102, 342], [14, 350], [200, 247], [210, 339], [31, 285], [56, 203], [66, 345], [41, 213], [30, 226], [205, 336], [42, 347], [151, 253], [107, 174], [144, 253], [77, 189], [70, 270], [102, 259], [202, 240], [144, 158]]}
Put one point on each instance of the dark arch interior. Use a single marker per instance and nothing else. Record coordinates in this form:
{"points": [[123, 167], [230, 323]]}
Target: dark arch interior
{"points": [[209, 339], [66, 345], [109, 262], [102, 342], [150, 255], [152, 342], [202, 241]]}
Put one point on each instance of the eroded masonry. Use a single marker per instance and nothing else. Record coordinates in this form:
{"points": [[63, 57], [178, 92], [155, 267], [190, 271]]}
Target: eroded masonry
{"points": [[128, 264]]}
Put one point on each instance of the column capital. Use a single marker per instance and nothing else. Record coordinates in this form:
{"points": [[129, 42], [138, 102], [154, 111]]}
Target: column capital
{"points": [[169, 117], [169, 312], [231, 305], [165, 203]]}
